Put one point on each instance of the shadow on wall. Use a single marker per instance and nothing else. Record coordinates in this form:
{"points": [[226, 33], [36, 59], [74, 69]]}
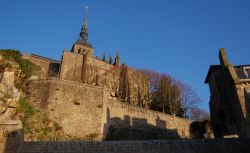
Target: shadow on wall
{"points": [[10, 141], [132, 128], [53, 70], [201, 129]]}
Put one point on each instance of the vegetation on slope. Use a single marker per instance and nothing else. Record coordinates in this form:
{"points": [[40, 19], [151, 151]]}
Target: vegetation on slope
{"points": [[26, 66], [36, 125], [23, 68]]}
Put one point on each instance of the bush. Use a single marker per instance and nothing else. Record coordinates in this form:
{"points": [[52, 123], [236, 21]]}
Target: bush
{"points": [[25, 108], [36, 124], [26, 66]]}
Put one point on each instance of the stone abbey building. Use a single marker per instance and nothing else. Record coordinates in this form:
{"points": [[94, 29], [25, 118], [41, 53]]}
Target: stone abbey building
{"points": [[86, 96], [230, 98], [81, 65]]}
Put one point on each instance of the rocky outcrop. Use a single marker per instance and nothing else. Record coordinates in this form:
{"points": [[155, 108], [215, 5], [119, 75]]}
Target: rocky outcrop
{"points": [[9, 97], [10, 125]]}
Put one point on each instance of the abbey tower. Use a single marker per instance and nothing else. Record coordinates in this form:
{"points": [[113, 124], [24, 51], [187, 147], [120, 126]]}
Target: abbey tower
{"points": [[81, 65]]}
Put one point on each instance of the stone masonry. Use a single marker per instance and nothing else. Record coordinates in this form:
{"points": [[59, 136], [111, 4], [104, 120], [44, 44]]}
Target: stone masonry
{"points": [[80, 65], [84, 110], [157, 146], [229, 101]]}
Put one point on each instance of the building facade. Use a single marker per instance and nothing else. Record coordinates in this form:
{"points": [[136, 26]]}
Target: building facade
{"points": [[230, 98]]}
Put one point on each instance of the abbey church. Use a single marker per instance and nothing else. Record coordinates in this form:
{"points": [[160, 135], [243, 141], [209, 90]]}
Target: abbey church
{"points": [[87, 96], [81, 65]]}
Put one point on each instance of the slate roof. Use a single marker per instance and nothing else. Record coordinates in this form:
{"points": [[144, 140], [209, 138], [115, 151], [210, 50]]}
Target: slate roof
{"points": [[238, 69], [240, 73]]}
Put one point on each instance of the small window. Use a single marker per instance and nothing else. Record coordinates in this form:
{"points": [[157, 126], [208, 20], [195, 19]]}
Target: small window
{"points": [[247, 72], [79, 51]]}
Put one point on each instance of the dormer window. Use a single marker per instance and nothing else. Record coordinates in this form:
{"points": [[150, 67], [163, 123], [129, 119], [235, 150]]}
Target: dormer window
{"points": [[247, 72]]}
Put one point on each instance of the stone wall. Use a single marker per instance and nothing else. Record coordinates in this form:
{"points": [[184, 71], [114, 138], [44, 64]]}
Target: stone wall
{"points": [[93, 71], [10, 135], [85, 111], [72, 66], [119, 114], [49, 67], [76, 107], [159, 146]]}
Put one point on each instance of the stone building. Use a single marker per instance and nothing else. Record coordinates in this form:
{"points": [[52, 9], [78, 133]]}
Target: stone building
{"points": [[81, 65], [230, 98], [87, 96]]}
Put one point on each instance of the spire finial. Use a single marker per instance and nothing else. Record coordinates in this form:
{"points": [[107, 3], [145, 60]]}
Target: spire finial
{"points": [[86, 15], [84, 30]]}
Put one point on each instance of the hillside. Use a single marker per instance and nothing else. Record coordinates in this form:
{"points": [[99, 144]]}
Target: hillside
{"points": [[15, 74]]}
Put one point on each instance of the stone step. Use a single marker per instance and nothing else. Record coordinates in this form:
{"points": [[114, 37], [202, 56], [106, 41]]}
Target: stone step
{"points": [[157, 146]]}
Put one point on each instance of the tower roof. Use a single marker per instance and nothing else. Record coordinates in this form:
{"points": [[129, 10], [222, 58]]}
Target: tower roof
{"points": [[83, 40]]}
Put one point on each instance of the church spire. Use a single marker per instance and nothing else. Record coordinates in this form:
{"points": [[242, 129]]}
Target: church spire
{"points": [[82, 45], [84, 30]]}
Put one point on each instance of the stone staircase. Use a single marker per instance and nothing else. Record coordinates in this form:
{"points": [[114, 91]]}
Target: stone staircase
{"points": [[241, 145]]}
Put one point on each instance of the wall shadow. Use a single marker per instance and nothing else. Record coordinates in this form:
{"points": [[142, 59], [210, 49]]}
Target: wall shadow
{"points": [[132, 128], [53, 70], [201, 129], [10, 141]]}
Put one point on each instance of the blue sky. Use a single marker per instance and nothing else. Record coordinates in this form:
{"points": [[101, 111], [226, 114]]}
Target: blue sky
{"points": [[177, 37]]}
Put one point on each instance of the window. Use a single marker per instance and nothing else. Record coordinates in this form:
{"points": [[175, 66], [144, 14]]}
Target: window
{"points": [[247, 72], [79, 51]]}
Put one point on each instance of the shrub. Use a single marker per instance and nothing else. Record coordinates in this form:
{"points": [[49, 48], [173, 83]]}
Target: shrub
{"points": [[26, 66], [25, 108]]}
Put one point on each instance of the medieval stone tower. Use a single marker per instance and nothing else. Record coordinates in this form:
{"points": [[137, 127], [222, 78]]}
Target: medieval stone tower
{"points": [[79, 64]]}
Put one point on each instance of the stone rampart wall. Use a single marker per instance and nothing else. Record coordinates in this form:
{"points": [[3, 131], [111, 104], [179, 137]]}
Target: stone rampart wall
{"points": [[75, 106], [85, 111], [124, 115], [49, 67]]}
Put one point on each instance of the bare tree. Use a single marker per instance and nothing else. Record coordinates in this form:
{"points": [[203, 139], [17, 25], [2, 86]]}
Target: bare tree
{"points": [[171, 96], [198, 114], [139, 88], [165, 93], [189, 99]]}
